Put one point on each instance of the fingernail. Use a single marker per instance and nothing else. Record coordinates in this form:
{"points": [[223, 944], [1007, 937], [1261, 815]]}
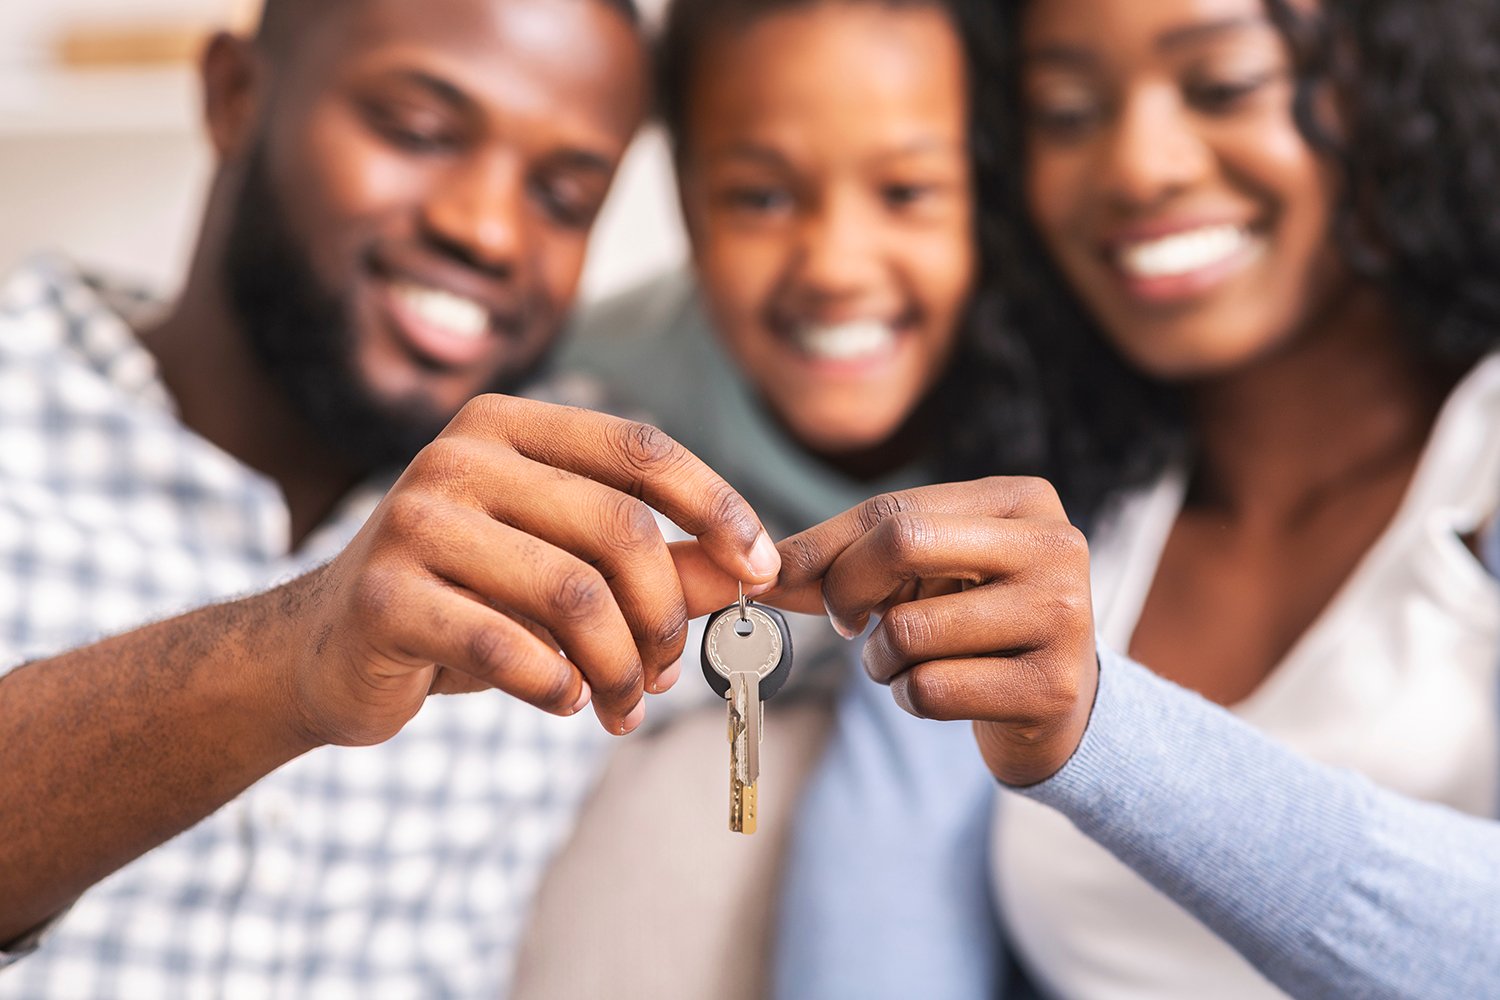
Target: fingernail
{"points": [[583, 699], [667, 678], [764, 559], [838, 626], [635, 718], [760, 588]]}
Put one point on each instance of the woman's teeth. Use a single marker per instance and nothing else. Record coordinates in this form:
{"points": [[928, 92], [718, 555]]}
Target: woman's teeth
{"points": [[1183, 253], [452, 314], [854, 341]]}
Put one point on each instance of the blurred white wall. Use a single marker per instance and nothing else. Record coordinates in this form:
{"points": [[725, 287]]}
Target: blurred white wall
{"points": [[109, 167]]}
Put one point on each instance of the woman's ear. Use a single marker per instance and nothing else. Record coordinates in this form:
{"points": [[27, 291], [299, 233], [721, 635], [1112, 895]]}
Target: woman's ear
{"points": [[233, 74]]}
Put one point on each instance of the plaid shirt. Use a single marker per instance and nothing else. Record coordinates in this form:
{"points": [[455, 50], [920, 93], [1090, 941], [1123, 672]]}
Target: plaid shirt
{"points": [[402, 870]]}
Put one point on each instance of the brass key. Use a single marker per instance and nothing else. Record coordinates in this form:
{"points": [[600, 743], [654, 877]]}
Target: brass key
{"points": [[747, 656]]}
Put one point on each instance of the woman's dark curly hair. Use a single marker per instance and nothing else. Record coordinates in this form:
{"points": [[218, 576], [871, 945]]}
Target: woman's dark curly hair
{"points": [[1418, 84], [986, 365]]}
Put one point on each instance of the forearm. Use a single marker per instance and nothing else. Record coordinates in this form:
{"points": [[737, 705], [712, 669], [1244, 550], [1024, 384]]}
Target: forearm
{"points": [[1329, 885], [111, 749]]}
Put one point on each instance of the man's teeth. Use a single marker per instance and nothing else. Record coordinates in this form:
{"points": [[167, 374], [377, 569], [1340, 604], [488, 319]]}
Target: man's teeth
{"points": [[1183, 253], [852, 341], [453, 314]]}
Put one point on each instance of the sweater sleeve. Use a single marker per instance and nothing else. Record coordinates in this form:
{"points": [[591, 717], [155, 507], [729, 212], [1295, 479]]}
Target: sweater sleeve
{"points": [[1328, 884]]}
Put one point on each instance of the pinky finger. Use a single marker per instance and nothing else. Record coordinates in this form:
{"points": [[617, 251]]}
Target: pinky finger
{"points": [[1018, 692]]}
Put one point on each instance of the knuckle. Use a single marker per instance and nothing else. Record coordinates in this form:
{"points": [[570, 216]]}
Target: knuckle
{"points": [[443, 459], [907, 632], [877, 509], [627, 523], [1065, 545], [576, 595], [929, 693], [485, 411], [671, 628], [487, 650], [1072, 607], [1034, 490], [800, 558], [644, 446], [906, 536], [723, 505], [1052, 693]]}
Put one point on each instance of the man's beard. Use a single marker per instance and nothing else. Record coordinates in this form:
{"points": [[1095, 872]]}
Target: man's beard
{"points": [[302, 335]]}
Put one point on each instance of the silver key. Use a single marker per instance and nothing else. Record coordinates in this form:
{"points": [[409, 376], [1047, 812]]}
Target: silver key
{"points": [[744, 645]]}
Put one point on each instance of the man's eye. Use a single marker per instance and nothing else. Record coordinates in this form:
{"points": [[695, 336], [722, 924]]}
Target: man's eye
{"points": [[566, 203], [415, 133], [418, 141]]}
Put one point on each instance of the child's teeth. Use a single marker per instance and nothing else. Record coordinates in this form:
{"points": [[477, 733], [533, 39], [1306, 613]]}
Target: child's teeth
{"points": [[454, 314], [846, 341], [1183, 253]]}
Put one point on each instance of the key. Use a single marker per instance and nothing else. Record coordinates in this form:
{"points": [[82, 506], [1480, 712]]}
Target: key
{"points": [[747, 657]]}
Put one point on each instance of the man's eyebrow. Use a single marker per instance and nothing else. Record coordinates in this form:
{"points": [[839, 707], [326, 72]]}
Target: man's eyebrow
{"points": [[587, 160], [443, 90]]}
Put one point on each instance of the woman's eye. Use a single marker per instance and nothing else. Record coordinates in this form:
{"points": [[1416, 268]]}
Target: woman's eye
{"points": [[1062, 122], [1222, 95]]}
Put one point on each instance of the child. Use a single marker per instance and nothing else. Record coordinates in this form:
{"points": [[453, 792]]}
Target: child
{"points": [[821, 352]]}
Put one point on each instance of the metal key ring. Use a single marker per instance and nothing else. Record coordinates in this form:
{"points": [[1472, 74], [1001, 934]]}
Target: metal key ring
{"points": [[743, 602]]}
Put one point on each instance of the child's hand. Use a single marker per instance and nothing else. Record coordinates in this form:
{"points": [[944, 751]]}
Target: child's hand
{"points": [[983, 593]]}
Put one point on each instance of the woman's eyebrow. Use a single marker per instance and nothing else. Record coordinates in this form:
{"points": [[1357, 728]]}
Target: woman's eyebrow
{"points": [[1080, 57], [1202, 31]]}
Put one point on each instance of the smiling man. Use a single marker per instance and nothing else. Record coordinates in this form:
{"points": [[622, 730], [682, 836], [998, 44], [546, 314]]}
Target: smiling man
{"points": [[395, 227]]}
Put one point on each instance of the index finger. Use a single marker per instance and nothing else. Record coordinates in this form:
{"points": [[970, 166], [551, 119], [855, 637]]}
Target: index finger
{"points": [[807, 556], [644, 462]]}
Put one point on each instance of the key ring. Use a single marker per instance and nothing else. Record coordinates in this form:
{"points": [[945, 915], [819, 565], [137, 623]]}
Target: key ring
{"points": [[741, 585]]}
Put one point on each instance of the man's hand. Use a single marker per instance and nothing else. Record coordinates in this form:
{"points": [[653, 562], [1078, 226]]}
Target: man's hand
{"points": [[982, 590], [523, 529]]}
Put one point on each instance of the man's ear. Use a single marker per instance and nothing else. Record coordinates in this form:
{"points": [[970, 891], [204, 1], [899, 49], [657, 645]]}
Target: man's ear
{"points": [[233, 73]]}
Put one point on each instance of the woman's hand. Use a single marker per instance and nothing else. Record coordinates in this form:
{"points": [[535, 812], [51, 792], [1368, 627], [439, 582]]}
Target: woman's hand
{"points": [[982, 590]]}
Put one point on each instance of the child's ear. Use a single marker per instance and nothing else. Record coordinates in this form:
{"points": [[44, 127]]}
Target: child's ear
{"points": [[233, 74]]}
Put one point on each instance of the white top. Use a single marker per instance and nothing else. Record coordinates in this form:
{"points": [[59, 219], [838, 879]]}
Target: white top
{"points": [[1397, 679]]}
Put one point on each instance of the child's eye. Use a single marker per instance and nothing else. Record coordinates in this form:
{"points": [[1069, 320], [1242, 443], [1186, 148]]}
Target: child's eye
{"points": [[756, 199], [904, 195]]}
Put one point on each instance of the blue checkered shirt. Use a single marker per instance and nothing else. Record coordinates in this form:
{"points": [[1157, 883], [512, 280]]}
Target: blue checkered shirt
{"points": [[402, 870]]}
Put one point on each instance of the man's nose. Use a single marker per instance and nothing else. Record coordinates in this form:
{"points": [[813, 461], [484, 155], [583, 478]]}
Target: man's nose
{"points": [[478, 210], [1153, 150]]}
